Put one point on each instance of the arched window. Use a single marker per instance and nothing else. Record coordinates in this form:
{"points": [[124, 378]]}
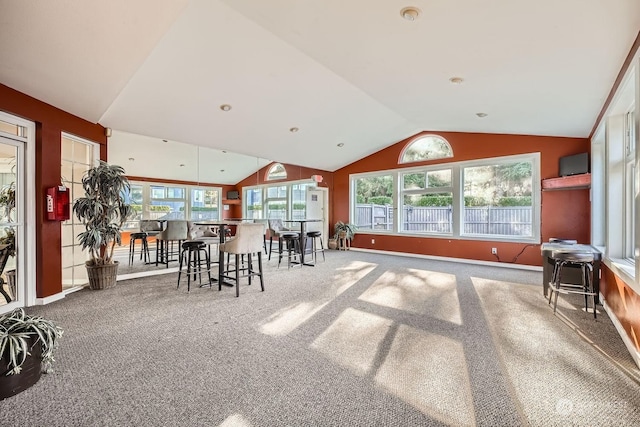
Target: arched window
{"points": [[277, 171], [427, 147]]}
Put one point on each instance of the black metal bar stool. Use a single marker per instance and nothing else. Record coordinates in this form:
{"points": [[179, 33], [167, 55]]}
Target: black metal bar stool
{"points": [[289, 242], [195, 252], [582, 260], [315, 236], [144, 250]]}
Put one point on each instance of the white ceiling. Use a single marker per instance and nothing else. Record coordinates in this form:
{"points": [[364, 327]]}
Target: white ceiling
{"points": [[351, 72]]}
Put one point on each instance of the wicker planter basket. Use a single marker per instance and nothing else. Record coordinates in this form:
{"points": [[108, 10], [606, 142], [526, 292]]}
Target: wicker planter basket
{"points": [[30, 374], [102, 276]]}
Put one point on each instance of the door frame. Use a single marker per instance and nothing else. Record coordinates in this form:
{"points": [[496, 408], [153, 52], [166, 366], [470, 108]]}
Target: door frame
{"points": [[26, 200]]}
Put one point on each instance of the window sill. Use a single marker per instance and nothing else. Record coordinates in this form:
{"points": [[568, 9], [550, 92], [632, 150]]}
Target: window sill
{"points": [[625, 270]]}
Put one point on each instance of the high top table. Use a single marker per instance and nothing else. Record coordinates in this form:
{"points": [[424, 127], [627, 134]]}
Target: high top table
{"points": [[222, 226], [303, 236], [570, 275]]}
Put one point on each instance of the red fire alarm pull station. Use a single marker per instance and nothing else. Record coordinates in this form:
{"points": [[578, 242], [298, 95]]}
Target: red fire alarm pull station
{"points": [[58, 208]]}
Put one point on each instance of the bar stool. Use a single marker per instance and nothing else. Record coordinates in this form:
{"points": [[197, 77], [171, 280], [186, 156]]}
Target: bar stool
{"points": [[316, 236], [582, 260], [144, 250], [247, 241], [194, 251], [288, 241], [276, 229]]}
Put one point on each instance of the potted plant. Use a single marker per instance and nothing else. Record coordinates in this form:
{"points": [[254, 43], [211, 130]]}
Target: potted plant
{"points": [[26, 349], [103, 211], [344, 233]]}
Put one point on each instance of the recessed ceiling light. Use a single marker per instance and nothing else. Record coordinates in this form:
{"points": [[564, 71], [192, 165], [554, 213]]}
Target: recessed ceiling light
{"points": [[221, 170], [164, 140], [181, 165], [294, 130], [224, 151], [341, 144], [481, 114], [225, 107], [131, 159], [456, 80], [410, 13]]}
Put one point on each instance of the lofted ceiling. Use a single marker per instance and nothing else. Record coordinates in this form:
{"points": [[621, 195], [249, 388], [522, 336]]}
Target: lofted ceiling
{"points": [[352, 72]]}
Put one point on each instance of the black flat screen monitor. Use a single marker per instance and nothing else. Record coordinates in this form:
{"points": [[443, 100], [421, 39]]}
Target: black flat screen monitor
{"points": [[574, 165], [233, 195]]}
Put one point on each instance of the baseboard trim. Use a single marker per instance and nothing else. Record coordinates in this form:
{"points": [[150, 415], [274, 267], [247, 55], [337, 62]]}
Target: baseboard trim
{"points": [[50, 299], [146, 274], [450, 259], [621, 331]]}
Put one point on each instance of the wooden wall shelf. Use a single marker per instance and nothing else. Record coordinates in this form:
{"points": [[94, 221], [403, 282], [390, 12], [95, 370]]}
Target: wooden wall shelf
{"points": [[573, 182], [231, 201]]}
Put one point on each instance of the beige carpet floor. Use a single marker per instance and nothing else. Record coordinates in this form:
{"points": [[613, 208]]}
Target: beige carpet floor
{"points": [[362, 339]]}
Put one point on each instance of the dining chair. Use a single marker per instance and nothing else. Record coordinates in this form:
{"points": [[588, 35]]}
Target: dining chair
{"points": [[277, 229], [247, 241], [203, 233], [176, 231]]}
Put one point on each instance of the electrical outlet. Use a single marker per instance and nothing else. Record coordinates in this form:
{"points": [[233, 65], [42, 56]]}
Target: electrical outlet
{"points": [[494, 251], [373, 241]]}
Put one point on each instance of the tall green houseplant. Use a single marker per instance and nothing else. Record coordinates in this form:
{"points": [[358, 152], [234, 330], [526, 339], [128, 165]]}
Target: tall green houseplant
{"points": [[103, 210]]}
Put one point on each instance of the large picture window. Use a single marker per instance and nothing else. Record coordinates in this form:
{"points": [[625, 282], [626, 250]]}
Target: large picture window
{"points": [[493, 199], [283, 201], [497, 199], [427, 201], [159, 201], [374, 202]]}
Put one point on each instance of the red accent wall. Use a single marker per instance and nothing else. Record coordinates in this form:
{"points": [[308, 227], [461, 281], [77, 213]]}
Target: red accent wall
{"points": [[50, 123], [564, 213], [624, 302]]}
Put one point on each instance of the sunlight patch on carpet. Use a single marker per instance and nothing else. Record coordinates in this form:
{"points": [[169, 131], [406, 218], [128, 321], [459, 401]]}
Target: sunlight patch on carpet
{"points": [[350, 275], [430, 373], [353, 340], [288, 319], [235, 420], [553, 371], [417, 291]]}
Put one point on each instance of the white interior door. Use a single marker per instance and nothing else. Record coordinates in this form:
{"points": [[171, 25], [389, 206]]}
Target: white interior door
{"points": [[318, 208], [17, 278]]}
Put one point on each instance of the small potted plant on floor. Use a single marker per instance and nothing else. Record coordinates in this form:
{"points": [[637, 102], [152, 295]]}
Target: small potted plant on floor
{"points": [[26, 349], [344, 233], [103, 211]]}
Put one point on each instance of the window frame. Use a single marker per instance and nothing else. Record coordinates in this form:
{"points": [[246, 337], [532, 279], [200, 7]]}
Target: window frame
{"points": [[288, 199], [402, 161], [458, 198], [630, 187], [272, 175], [187, 200]]}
